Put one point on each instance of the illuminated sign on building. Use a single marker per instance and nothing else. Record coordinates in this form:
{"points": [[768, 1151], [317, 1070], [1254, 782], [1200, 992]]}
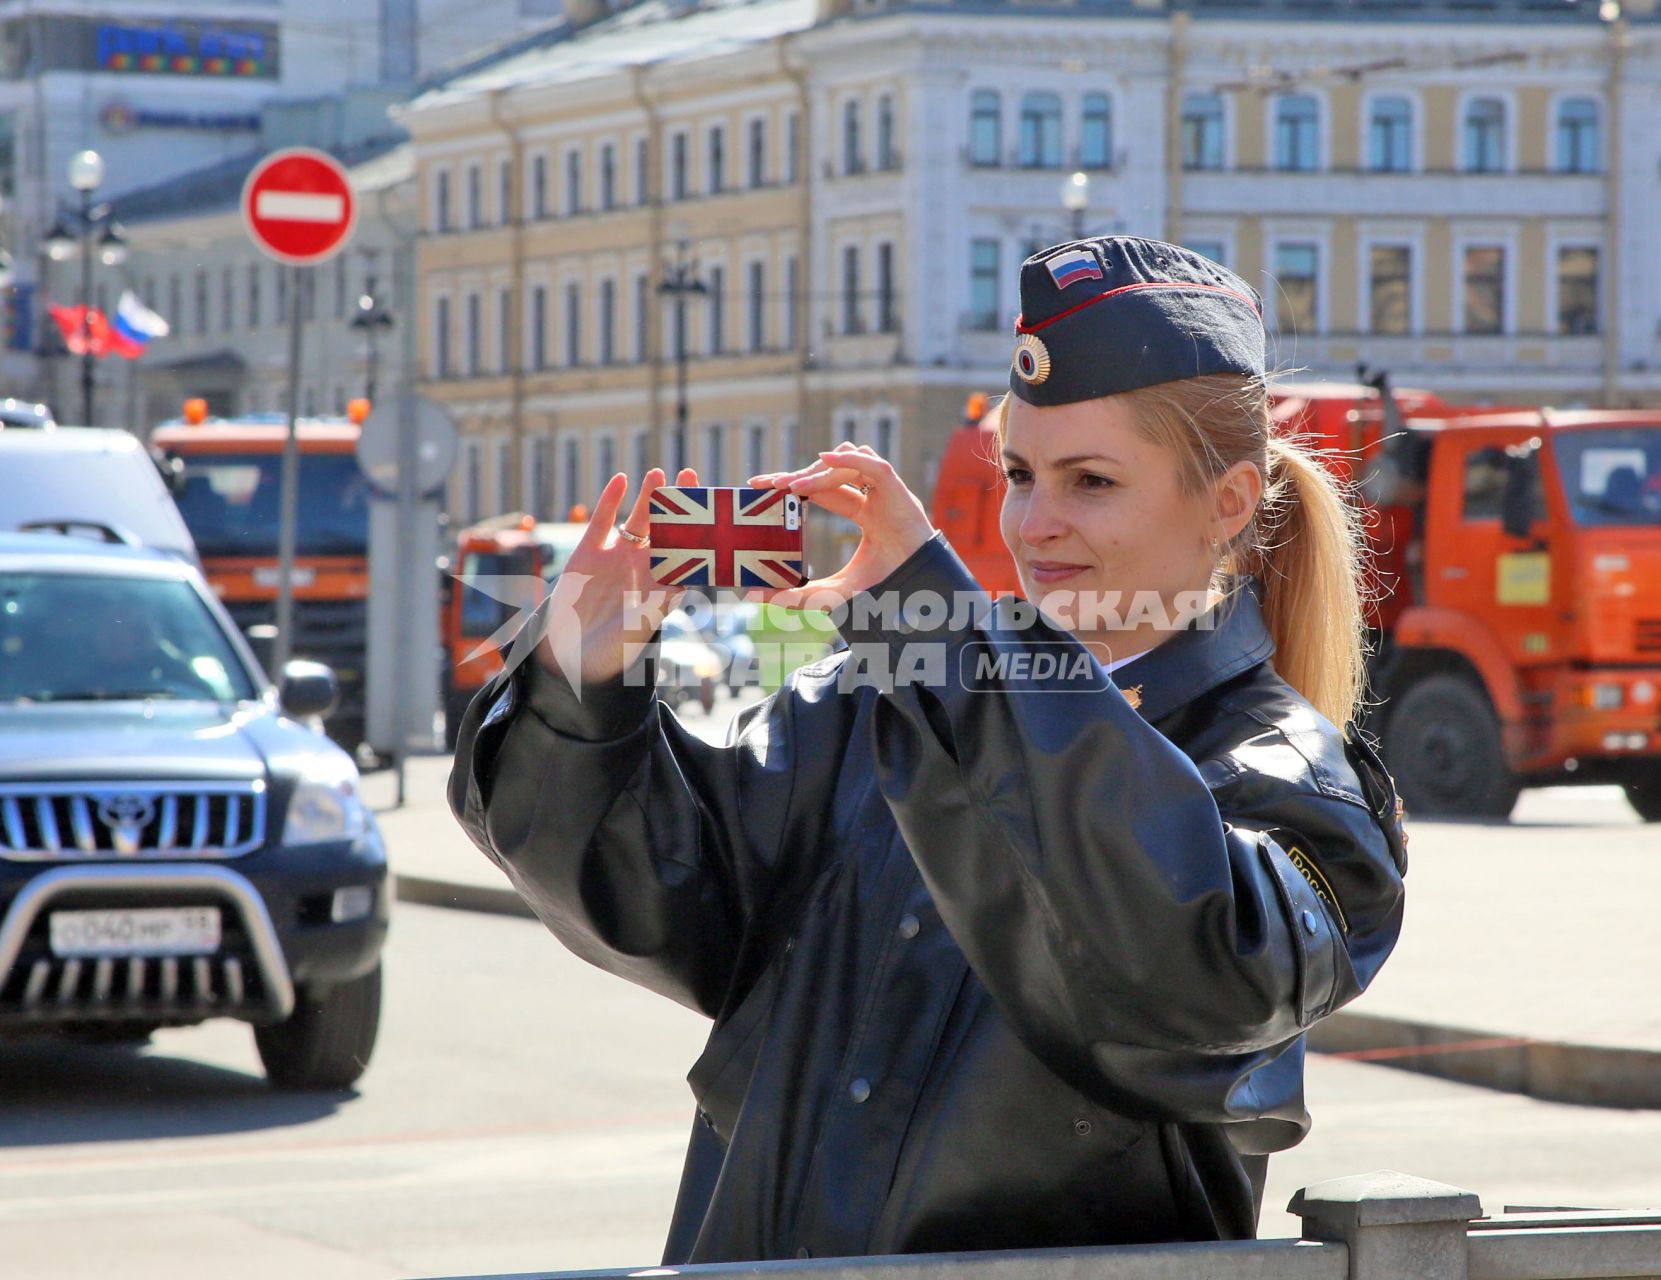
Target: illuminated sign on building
{"points": [[120, 117], [188, 49]]}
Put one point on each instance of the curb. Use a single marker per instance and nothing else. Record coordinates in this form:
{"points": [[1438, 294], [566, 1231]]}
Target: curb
{"points": [[1554, 1071], [488, 899]]}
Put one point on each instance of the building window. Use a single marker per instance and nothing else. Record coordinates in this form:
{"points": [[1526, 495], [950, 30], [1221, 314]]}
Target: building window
{"points": [[1041, 131], [792, 149], [886, 157], [1485, 136], [539, 187], [851, 320], [504, 195], [642, 316], [852, 161], [605, 462], [1390, 288], [253, 297], [715, 441], [642, 170], [983, 284], [640, 454], [757, 176], [281, 276], [1485, 289], [787, 444], [504, 330], [717, 160], [441, 201], [441, 337], [887, 318], [1578, 149], [1390, 136], [1297, 134], [573, 183], [788, 328], [1096, 132], [677, 167], [1213, 249], [472, 486], [1202, 131], [504, 468], [883, 436], [985, 128], [717, 310], [758, 306], [340, 289], [541, 477], [608, 322], [227, 299], [475, 338], [1577, 290], [755, 450], [1297, 286], [608, 177], [475, 197], [200, 298], [539, 327], [573, 325], [570, 474]]}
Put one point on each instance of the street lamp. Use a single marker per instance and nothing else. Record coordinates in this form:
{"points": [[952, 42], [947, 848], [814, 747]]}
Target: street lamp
{"points": [[1075, 198], [86, 175], [370, 319], [679, 280]]}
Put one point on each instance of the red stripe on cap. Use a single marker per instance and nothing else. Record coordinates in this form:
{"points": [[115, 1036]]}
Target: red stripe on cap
{"points": [[1126, 288]]}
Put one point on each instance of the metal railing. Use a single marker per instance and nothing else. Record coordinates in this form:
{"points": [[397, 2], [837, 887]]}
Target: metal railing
{"points": [[1375, 1226]]}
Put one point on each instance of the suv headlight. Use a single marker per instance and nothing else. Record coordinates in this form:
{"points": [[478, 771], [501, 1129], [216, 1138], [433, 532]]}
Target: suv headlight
{"points": [[320, 811]]}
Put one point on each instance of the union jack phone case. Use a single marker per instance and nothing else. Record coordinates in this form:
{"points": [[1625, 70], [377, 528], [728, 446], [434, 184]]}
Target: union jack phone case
{"points": [[704, 536]]}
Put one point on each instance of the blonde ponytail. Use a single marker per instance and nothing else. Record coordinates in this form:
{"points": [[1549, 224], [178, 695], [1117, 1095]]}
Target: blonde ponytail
{"points": [[1304, 544]]}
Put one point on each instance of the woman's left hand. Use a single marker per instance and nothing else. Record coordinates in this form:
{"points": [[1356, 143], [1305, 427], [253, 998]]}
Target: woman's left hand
{"points": [[856, 482]]}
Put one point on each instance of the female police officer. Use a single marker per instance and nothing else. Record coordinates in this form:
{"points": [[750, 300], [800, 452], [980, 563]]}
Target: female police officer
{"points": [[995, 959]]}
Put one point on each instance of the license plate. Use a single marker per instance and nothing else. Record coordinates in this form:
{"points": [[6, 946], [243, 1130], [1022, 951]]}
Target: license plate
{"points": [[147, 931]]}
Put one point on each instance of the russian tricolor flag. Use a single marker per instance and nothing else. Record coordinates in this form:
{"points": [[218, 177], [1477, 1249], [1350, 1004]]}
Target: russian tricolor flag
{"points": [[1073, 266], [134, 325]]}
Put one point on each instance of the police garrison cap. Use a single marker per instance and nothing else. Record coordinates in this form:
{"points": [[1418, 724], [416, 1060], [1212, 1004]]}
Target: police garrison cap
{"points": [[1105, 316]]}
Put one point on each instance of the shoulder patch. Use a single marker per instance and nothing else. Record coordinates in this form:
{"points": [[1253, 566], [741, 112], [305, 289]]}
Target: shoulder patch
{"points": [[1318, 882]]}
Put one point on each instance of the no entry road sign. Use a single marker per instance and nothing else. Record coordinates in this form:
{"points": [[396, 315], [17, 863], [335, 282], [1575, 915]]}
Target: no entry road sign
{"points": [[298, 206]]}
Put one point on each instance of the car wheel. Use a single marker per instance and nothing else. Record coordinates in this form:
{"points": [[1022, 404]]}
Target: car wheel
{"points": [[326, 1042], [1442, 742], [1644, 795]]}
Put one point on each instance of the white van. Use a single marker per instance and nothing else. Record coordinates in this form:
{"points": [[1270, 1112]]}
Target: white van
{"points": [[89, 480]]}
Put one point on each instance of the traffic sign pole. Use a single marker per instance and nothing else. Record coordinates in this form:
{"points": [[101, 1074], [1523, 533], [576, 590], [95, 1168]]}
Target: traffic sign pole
{"points": [[299, 208], [288, 519]]}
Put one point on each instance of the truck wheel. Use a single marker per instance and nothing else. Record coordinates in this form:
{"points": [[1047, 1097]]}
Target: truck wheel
{"points": [[1644, 795], [1443, 743], [326, 1042]]}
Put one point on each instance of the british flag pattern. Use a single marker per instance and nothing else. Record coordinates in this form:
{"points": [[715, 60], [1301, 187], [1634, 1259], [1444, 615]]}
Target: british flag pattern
{"points": [[716, 537]]}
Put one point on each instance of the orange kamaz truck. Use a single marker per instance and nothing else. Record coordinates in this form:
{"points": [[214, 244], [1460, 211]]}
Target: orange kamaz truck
{"points": [[228, 486], [1517, 617]]}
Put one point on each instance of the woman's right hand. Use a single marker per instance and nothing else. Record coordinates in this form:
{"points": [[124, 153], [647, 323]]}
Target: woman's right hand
{"points": [[605, 593]]}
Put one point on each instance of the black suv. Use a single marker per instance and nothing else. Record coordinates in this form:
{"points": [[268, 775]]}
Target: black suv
{"points": [[176, 844]]}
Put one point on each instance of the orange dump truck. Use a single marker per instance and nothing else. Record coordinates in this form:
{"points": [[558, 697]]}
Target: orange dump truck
{"points": [[1517, 624], [229, 492]]}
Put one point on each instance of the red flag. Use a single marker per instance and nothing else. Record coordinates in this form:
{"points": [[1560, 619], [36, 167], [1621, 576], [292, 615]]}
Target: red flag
{"points": [[83, 327]]}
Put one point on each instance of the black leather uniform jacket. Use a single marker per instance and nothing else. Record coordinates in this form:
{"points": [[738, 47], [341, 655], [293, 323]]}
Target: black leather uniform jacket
{"points": [[990, 967]]}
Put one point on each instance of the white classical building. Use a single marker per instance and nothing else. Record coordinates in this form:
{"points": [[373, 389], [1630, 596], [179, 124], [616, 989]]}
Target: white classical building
{"points": [[1464, 193]]}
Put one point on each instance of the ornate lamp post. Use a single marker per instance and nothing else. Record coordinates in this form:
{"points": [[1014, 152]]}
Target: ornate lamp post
{"points": [[1075, 198], [86, 175], [680, 279], [371, 319]]}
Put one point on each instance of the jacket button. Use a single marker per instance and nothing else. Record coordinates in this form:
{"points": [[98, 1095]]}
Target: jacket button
{"points": [[860, 1089], [909, 926], [1309, 923], [1082, 1128]]}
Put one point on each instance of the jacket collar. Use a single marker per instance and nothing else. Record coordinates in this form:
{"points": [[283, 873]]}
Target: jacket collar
{"points": [[1226, 641]]}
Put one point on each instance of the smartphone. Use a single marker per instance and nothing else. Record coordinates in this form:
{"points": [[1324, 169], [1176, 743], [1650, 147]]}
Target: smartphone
{"points": [[709, 536]]}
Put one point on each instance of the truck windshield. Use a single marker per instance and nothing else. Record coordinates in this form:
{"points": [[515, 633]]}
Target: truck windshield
{"points": [[496, 586], [81, 637], [231, 503], [1612, 475]]}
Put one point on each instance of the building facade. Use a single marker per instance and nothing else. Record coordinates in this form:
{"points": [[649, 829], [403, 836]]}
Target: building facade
{"points": [[1465, 197]]}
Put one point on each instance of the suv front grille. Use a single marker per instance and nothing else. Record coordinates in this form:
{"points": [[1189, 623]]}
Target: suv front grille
{"points": [[66, 821]]}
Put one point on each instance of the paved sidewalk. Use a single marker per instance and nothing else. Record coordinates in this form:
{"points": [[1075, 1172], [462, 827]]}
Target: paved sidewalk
{"points": [[1528, 961]]}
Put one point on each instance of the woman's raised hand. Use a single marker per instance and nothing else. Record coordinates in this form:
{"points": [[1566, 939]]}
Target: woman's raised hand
{"points": [[856, 482], [605, 592]]}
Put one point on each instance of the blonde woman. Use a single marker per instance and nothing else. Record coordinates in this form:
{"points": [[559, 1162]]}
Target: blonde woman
{"points": [[1011, 921]]}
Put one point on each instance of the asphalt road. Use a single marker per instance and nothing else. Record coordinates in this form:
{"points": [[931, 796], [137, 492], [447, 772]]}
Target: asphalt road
{"points": [[524, 1112]]}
